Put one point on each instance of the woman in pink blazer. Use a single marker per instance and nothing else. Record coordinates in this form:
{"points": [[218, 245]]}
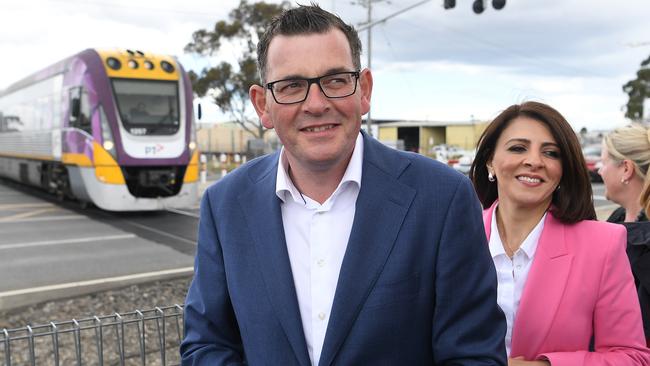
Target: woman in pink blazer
{"points": [[564, 281]]}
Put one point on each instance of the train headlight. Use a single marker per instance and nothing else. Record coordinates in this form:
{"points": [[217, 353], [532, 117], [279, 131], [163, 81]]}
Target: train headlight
{"points": [[133, 64], [108, 145], [113, 63], [148, 65], [167, 66], [192, 145]]}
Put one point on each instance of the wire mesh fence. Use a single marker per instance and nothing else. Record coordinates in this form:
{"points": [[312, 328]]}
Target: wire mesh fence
{"points": [[141, 337]]}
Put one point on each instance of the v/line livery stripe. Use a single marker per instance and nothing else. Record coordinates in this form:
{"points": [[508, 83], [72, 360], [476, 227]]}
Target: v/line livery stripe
{"points": [[76, 159], [27, 156]]}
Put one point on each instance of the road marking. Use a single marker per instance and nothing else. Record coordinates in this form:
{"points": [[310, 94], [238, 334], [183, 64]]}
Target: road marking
{"points": [[181, 212], [23, 215], [64, 241], [45, 218], [101, 281], [9, 206]]}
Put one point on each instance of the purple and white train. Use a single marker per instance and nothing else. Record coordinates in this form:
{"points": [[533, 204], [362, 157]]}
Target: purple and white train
{"points": [[111, 127]]}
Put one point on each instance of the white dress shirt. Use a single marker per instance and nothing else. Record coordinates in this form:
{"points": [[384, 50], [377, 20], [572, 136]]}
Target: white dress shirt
{"points": [[512, 273], [317, 237]]}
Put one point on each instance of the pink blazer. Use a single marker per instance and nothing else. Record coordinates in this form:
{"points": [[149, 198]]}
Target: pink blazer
{"points": [[580, 284]]}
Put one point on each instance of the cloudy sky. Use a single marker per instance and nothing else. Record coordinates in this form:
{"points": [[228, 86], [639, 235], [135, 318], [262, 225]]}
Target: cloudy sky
{"points": [[428, 63]]}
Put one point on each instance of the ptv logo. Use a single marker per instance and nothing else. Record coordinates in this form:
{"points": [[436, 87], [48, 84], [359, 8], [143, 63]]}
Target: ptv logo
{"points": [[154, 149]]}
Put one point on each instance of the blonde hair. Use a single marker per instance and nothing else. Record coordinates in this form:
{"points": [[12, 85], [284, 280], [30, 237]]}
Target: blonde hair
{"points": [[632, 143]]}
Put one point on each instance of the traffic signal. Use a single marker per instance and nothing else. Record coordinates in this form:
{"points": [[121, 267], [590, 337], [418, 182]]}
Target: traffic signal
{"points": [[478, 6], [449, 4], [498, 4]]}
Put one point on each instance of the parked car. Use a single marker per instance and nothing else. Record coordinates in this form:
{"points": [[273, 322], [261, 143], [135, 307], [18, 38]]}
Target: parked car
{"points": [[592, 158], [463, 164]]}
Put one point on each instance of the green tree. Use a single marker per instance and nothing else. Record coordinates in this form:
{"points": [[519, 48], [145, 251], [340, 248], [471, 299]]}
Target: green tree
{"points": [[638, 90], [228, 84]]}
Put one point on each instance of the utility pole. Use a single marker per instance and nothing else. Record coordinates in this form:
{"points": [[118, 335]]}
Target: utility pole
{"points": [[478, 7], [368, 5]]}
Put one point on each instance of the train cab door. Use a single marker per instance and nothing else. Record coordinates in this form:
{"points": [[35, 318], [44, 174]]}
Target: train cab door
{"points": [[79, 109]]}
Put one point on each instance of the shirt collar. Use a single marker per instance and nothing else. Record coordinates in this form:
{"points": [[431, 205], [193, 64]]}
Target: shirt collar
{"points": [[529, 246], [284, 187]]}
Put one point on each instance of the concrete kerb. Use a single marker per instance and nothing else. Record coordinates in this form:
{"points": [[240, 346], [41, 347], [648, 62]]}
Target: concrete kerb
{"points": [[18, 298]]}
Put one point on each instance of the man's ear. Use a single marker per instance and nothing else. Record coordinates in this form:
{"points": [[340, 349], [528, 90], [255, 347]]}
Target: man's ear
{"points": [[365, 86], [258, 98]]}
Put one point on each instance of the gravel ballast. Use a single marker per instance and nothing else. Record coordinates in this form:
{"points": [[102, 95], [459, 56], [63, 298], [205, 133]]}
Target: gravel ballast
{"points": [[124, 301]]}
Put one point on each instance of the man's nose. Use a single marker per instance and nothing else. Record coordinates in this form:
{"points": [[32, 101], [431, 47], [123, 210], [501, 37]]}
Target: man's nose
{"points": [[316, 101]]}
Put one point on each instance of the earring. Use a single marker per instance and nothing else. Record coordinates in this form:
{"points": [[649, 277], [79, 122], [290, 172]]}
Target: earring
{"points": [[625, 181], [558, 188], [491, 177]]}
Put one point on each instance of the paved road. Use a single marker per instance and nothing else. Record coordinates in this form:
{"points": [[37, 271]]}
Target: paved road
{"points": [[52, 249]]}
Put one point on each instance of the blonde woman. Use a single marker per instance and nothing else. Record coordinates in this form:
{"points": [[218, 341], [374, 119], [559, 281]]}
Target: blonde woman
{"points": [[625, 161]]}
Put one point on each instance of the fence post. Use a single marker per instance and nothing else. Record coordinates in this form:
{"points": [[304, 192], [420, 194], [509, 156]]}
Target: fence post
{"points": [[7, 348], [55, 342], [77, 340], [99, 340], [119, 326], [161, 335], [30, 342], [141, 336]]}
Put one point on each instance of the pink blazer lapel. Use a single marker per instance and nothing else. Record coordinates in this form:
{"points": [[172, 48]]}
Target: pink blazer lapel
{"points": [[543, 291], [487, 219]]}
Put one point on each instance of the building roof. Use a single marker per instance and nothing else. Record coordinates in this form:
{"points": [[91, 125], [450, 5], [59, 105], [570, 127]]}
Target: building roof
{"points": [[407, 123]]}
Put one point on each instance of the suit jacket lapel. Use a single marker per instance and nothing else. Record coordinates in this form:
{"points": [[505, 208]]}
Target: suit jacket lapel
{"points": [[263, 215], [543, 290], [381, 207]]}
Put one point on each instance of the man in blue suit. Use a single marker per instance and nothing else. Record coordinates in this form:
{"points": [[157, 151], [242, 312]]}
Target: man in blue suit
{"points": [[337, 250]]}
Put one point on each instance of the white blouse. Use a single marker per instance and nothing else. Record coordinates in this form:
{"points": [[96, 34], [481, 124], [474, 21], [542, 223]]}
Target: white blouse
{"points": [[512, 272]]}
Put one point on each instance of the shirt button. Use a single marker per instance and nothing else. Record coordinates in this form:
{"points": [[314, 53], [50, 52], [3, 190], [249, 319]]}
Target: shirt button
{"points": [[321, 263], [321, 316]]}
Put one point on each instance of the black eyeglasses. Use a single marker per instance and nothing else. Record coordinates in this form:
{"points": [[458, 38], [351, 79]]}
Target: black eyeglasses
{"points": [[295, 90]]}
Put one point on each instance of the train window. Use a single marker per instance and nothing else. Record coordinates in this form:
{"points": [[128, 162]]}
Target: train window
{"points": [[148, 107], [79, 109]]}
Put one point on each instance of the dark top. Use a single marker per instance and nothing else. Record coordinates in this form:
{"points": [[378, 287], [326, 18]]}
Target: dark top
{"points": [[638, 251]]}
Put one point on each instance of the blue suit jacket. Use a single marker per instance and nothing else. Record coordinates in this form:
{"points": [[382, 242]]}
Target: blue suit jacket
{"points": [[417, 285]]}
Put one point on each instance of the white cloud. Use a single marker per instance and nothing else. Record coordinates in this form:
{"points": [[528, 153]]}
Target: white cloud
{"points": [[428, 63]]}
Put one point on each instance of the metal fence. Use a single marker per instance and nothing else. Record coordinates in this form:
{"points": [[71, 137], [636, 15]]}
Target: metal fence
{"points": [[141, 337]]}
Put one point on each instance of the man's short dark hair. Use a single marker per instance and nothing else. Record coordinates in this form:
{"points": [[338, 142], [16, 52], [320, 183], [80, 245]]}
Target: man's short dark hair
{"points": [[572, 202], [306, 19]]}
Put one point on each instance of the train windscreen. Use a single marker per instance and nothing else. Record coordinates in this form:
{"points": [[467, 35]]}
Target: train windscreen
{"points": [[147, 107]]}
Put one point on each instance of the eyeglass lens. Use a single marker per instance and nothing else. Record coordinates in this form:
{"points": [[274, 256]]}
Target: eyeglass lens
{"points": [[333, 86]]}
